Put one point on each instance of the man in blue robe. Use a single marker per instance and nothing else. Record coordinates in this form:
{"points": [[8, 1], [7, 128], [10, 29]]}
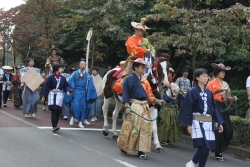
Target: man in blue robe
{"points": [[84, 94]]}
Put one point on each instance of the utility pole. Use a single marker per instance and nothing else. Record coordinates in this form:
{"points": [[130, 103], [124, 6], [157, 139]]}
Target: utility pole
{"points": [[7, 50]]}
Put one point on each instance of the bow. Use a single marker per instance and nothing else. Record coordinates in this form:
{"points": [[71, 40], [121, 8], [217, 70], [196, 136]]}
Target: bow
{"points": [[87, 54]]}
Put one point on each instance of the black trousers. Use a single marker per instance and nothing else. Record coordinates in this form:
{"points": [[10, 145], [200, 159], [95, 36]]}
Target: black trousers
{"points": [[6, 94], [223, 139], [55, 117]]}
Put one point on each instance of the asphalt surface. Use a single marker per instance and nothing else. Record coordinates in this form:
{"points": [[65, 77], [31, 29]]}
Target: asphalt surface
{"points": [[29, 142]]}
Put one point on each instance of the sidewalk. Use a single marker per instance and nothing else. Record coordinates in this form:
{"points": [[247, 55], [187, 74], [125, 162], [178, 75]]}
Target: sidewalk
{"points": [[239, 152]]}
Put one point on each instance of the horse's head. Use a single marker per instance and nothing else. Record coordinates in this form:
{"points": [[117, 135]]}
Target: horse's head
{"points": [[173, 90], [161, 68]]}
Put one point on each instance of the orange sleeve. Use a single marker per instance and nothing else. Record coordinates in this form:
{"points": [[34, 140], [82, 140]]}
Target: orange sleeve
{"points": [[215, 86], [133, 47], [146, 86]]}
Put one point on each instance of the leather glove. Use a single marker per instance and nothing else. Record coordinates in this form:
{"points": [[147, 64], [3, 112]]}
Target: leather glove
{"points": [[127, 110], [159, 102]]}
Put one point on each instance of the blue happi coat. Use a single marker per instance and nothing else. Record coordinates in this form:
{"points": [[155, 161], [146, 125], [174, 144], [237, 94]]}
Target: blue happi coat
{"points": [[197, 102], [84, 95]]}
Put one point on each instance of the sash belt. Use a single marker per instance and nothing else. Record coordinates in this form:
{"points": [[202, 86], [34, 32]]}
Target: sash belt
{"points": [[202, 118]]}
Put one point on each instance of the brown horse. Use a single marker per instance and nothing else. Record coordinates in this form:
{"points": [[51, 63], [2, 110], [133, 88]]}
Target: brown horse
{"points": [[160, 70]]}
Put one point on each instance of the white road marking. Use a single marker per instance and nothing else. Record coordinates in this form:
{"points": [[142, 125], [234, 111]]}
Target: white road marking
{"points": [[95, 151], [86, 129], [17, 118], [125, 163]]}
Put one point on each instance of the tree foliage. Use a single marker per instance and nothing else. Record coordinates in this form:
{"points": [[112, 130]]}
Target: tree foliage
{"points": [[198, 32], [203, 34]]}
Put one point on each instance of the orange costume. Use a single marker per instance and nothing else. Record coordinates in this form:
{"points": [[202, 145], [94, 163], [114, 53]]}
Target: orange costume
{"points": [[145, 84], [134, 48], [221, 92]]}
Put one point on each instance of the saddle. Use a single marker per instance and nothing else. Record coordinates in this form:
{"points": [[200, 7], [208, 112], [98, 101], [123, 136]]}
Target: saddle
{"points": [[118, 74]]}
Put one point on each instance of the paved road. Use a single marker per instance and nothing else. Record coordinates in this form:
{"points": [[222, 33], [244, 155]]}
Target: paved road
{"points": [[29, 143]]}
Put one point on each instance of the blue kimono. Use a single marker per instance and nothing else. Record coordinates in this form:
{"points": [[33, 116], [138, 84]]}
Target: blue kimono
{"points": [[84, 94], [51, 84], [197, 102]]}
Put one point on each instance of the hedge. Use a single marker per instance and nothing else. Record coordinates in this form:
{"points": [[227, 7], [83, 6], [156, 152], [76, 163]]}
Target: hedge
{"points": [[241, 136], [241, 126], [242, 103]]}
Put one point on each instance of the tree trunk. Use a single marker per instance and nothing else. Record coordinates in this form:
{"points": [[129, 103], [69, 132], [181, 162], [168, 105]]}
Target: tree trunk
{"points": [[193, 66], [3, 60]]}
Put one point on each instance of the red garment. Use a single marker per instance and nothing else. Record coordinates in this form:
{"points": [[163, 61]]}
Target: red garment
{"points": [[16, 79], [170, 79], [133, 47], [57, 75]]}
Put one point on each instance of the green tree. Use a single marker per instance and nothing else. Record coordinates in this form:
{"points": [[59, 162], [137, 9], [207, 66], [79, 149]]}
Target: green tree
{"points": [[201, 35]]}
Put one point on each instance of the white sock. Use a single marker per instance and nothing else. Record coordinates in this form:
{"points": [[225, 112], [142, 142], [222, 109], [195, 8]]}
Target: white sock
{"points": [[191, 164]]}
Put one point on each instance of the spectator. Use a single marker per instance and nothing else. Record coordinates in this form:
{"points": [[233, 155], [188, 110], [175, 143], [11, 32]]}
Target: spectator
{"points": [[96, 106], [248, 88], [184, 84]]}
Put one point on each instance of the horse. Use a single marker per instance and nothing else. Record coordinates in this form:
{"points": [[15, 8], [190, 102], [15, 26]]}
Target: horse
{"points": [[160, 70]]}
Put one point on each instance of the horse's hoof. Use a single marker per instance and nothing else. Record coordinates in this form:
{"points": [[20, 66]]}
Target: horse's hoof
{"points": [[105, 133], [114, 137], [159, 150]]}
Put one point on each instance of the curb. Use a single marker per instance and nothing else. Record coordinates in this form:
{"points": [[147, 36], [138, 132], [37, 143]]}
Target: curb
{"points": [[234, 150]]}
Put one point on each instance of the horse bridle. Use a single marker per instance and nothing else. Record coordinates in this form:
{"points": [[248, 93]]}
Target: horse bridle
{"points": [[155, 67]]}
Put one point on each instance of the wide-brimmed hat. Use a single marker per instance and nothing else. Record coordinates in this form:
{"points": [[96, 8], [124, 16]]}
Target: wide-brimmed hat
{"points": [[7, 68], [141, 61], [221, 66], [140, 25]]}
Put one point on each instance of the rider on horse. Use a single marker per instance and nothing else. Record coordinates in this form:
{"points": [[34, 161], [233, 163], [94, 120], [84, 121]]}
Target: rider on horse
{"points": [[52, 60], [137, 46]]}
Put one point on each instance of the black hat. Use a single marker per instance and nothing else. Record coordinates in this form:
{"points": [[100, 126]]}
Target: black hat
{"points": [[53, 49], [29, 59], [72, 69], [18, 67], [82, 59]]}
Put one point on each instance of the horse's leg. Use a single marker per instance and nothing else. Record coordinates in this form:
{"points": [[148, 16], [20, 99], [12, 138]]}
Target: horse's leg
{"points": [[105, 114], [118, 107], [158, 148]]}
